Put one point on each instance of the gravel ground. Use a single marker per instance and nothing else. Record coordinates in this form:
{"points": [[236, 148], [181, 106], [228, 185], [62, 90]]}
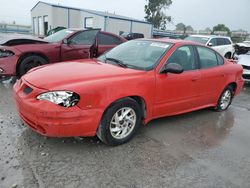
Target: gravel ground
{"points": [[198, 149]]}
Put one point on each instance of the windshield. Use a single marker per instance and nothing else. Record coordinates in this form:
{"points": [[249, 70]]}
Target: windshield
{"points": [[137, 54], [58, 36], [202, 40], [124, 34]]}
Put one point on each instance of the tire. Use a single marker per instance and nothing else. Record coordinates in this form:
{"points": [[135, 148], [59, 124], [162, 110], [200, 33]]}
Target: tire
{"points": [[30, 62], [225, 99], [113, 133]]}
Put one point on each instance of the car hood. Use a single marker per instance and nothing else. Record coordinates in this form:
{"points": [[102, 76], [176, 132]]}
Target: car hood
{"points": [[18, 39], [61, 74], [244, 59]]}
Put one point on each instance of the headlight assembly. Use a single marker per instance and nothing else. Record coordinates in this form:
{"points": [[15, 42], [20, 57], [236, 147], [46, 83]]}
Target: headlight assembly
{"points": [[63, 98], [5, 53]]}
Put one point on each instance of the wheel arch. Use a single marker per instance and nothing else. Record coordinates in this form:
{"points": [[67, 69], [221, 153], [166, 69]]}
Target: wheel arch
{"points": [[233, 85], [230, 53], [140, 100], [28, 54]]}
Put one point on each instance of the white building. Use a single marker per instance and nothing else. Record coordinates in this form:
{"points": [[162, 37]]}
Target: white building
{"points": [[46, 16]]}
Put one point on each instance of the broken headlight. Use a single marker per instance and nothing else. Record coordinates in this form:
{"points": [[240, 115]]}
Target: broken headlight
{"points": [[6, 53], [63, 98]]}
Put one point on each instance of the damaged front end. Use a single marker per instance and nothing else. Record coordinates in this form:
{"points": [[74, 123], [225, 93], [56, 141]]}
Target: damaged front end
{"points": [[242, 48]]}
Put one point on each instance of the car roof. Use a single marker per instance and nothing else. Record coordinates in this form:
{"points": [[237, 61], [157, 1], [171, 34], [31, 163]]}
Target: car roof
{"points": [[173, 41], [80, 29], [210, 36]]}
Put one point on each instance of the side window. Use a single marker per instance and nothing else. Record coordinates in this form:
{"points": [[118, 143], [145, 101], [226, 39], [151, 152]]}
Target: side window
{"points": [[220, 59], [184, 56], [213, 41], [207, 57], [84, 38], [227, 41], [105, 39], [220, 41]]}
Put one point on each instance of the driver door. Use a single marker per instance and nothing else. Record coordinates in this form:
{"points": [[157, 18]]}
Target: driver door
{"points": [[176, 93], [82, 45]]}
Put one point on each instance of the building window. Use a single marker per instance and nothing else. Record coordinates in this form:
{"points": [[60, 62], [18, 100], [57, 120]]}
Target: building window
{"points": [[88, 22]]}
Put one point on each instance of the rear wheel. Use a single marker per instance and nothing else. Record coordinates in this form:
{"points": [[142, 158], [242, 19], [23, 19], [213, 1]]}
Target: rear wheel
{"points": [[225, 99], [30, 62], [120, 122]]}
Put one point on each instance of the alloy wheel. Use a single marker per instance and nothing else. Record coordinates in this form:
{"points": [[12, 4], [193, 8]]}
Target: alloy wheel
{"points": [[225, 99], [122, 123]]}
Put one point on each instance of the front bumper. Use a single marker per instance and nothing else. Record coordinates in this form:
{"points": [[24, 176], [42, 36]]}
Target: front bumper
{"points": [[8, 65], [52, 120]]}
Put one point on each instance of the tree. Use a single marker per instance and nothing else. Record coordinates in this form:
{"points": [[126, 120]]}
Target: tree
{"points": [[155, 15], [183, 27], [189, 28], [180, 27], [221, 27], [208, 30]]}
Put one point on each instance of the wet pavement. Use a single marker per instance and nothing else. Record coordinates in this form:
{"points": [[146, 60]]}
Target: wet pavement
{"points": [[198, 149]]}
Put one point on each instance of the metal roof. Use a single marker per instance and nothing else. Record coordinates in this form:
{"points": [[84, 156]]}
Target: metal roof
{"points": [[98, 13]]}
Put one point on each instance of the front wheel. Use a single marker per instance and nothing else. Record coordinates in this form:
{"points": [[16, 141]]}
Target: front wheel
{"points": [[225, 99], [120, 122], [30, 62]]}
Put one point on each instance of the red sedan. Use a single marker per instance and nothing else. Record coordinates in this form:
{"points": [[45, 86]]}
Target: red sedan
{"points": [[132, 84], [18, 54]]}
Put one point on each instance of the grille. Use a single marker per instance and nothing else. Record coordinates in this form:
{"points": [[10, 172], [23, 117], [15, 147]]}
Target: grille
{"points": [[246, 76], [27, 90], [246, 67]]}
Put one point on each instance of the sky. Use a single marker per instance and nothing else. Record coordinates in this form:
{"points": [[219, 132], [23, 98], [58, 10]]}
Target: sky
{"points": [[197, 13]]}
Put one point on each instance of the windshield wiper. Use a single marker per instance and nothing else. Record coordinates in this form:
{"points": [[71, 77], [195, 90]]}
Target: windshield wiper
{"points": [[117, 61]]}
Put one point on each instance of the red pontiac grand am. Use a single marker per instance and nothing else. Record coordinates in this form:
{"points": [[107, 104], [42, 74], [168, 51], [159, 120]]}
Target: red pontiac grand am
{"points": [[19, 54], [135, 82]]}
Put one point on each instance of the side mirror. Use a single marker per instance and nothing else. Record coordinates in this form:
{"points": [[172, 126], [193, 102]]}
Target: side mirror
{"points": [[65, 41], [174, 68], [210, 44]]}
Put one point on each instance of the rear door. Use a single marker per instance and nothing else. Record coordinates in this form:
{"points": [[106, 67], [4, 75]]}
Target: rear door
{"points": [[106, 42], [79, 46], [212, 75], [223, 46], [220, 45], [176, 93]]}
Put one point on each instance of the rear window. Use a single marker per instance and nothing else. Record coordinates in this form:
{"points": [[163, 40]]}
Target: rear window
{"points": [[105, 39]]}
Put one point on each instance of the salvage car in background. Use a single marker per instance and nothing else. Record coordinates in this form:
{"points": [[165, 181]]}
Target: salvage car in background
{"points": [[133, 83], [222, 44], [132, 36], [242, 55], [18, 55]]}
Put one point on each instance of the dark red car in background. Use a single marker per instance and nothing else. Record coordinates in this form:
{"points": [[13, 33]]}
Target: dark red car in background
{"points": [[18, 55]]}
